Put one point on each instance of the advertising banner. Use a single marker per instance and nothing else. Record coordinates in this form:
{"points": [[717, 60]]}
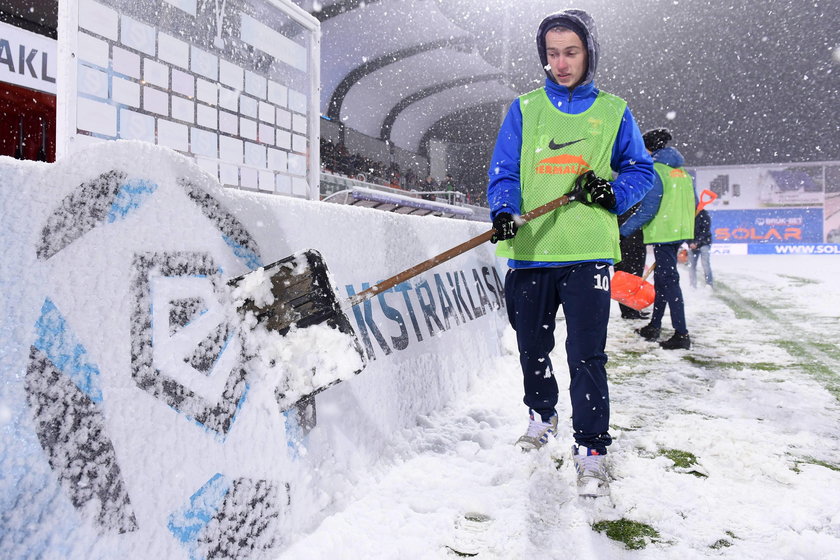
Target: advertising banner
{"points": [[771, 208], [801, 249], [141, 417], [772, 225]]}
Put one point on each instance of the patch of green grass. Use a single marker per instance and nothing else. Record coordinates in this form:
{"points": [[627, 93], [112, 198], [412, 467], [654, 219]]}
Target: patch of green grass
{"points": [[798, 281], [623, 429], [806, 351], [624, 375], [825, 464], [626, 358], [740, 311], [814, 461], [720, 364], [743, 308], [701, 415], [631, 354], [683, 461], [821, 372], [763, 366], [831, 349], [633, 534], [724, 543]]}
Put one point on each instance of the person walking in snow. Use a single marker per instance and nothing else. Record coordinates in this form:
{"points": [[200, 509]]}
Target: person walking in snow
{"points": [[565, 132], [666, 218], [700, 249]]}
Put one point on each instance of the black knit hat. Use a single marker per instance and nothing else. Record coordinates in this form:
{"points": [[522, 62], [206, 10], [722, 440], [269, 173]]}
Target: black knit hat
{"points": [[656, 139]]}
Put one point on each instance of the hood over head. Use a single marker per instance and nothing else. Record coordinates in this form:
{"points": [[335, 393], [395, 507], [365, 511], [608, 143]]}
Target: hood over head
{"points": [[581, 23]]}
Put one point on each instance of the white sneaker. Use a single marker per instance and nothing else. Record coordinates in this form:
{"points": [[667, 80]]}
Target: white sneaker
{"points": [[538, 432], [591, 466]]}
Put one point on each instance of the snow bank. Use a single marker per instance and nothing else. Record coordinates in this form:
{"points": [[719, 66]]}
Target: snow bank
{"points": [[135, 425]]}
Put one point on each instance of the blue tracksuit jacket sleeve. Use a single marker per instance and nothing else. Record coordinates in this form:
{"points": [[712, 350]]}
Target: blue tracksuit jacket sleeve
{"points": [[646, 211], [634, 166], [504, 190]]}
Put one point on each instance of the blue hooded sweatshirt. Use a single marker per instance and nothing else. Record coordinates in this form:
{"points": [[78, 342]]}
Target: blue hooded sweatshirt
{"points": [[630, 160], [650, 203]]}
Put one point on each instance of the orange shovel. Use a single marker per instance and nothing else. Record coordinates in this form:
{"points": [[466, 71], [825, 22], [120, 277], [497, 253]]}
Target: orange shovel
{"points": [[635, 292]]}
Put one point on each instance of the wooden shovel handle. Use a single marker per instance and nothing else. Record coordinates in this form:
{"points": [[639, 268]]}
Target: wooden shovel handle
{"points": [[457, 250]]}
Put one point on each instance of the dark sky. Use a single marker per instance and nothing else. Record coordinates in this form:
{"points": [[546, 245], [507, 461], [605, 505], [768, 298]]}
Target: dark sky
{"points": [[737, 81]]}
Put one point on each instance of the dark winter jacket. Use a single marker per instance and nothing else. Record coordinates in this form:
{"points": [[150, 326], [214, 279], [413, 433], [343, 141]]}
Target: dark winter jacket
{"points": [[629, 158], [650, 203], [702, 229]]}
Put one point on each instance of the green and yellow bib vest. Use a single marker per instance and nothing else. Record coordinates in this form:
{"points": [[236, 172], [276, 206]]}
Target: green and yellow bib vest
{"points": [[674, 221], [556, 148]]}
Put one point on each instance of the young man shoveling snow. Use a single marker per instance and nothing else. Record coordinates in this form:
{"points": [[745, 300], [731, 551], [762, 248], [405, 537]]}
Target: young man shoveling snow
{"points": [[566, 133]]}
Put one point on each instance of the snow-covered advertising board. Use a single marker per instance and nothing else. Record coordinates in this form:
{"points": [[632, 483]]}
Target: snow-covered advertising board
{"points": [[233, 84], [142, 417], [774, 209]]}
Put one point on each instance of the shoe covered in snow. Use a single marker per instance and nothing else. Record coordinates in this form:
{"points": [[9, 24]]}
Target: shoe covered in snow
{"points": [[649, 332], [538, 432], [592, 478], [677, 342]]}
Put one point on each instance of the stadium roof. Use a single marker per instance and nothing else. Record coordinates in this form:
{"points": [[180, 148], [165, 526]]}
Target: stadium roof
{"points": [[737, 81], [392, 70]]}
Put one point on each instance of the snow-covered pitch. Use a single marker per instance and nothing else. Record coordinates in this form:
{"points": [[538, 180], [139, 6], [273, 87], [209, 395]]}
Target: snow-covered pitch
{"points": [[129, 428]]}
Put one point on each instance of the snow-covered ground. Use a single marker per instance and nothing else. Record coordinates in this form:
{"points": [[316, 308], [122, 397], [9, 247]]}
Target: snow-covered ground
{"points": [[755, 401], [728, 450]]}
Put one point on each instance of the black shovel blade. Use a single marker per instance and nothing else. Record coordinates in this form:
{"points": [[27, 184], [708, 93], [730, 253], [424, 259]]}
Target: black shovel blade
{"points": [[303, 295]]}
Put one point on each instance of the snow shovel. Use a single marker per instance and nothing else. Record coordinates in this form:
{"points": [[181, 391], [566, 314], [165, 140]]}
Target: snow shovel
{"points": [[635, 292], [298, 291]]}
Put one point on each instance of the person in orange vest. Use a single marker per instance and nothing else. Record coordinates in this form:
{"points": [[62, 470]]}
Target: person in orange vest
{"points": [[666, 218]]}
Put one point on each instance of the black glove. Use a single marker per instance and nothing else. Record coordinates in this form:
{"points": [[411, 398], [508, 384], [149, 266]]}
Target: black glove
{"points": [[599, 190], [505, 227]]}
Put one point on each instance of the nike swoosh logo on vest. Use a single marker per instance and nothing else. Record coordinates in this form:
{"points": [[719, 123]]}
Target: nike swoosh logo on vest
{"points": [[553, 146]]}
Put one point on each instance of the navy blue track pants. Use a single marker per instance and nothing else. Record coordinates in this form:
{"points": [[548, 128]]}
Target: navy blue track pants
{"points": [[533, 296], [666, 279]]}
